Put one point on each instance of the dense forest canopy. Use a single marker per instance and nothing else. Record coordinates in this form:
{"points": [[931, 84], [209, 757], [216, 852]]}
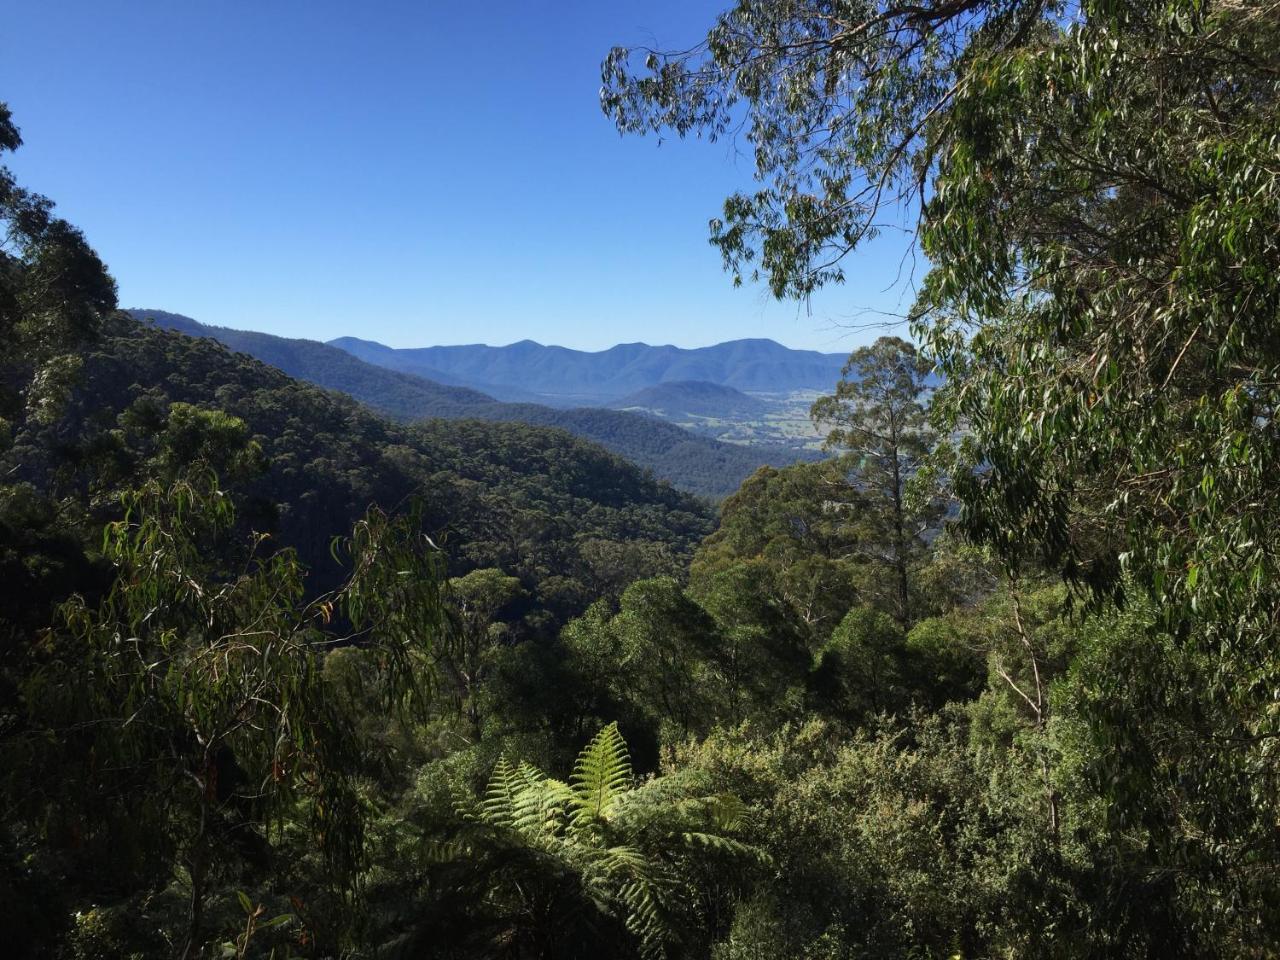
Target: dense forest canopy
{"points": [[536, 502], [998, 678]]}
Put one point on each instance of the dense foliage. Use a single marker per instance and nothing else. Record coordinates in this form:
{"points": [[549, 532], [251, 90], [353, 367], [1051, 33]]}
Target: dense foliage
{"points": [[1097, 189], [537, 502], [531, 718]]}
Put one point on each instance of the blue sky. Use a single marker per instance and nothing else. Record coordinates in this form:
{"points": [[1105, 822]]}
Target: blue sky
{"points": [[415, 173]]}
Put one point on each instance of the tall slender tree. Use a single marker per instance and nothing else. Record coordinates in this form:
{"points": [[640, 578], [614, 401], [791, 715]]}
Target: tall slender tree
{"points": [[54, 295], [877, 416], [477, 599]]}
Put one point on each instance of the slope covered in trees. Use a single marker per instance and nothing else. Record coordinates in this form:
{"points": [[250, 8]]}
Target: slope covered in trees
{"points": [[524, 498], [694, 463], [675, 398], [399, 395]]}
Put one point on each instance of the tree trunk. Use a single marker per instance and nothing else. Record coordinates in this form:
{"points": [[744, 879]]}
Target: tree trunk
{"points": [[198, 863], [198, 867], [900, 539]]}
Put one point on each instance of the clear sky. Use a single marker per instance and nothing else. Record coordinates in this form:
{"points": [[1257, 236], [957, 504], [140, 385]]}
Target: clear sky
{"points": [[411, 172]]}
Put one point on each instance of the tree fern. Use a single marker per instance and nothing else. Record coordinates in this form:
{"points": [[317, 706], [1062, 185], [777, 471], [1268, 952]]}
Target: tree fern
{"points": [[445, 851], [599, 846], [601, 774]]}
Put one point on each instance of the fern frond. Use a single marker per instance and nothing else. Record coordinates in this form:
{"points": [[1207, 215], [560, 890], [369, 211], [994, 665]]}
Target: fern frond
{"points": [[465, 805], [542, 807], [602, 772], [445, 851], [629, 881], [728, 813], [539, 803], [528, 774], [559, 793], [499, 804], [728, 846], [624, 859], [647, 916]]}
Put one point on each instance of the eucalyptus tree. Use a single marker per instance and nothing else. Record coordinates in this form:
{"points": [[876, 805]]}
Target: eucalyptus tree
{"points": [[657, 653], [54, 295], [183, 725], [1094, 188], [790, 528], [1097, 190], [476, 601], [877, 414], [860, 670]]}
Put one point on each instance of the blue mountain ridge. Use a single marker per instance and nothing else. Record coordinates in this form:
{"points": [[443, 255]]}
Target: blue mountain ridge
{"points": [[754, 366]]}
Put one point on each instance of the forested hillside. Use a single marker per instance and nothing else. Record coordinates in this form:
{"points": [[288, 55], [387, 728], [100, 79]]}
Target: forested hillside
{"points": [[533, 501], [697, 397], [693, 463], [998, 678], [400, 395]]}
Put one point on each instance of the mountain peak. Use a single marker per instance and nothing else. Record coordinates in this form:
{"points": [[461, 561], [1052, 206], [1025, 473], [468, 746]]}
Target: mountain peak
{"points": [[343, 342]]}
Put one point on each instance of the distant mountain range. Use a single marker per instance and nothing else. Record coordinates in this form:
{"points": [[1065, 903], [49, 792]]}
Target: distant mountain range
{"points": [[558, 374], [698, 464]]}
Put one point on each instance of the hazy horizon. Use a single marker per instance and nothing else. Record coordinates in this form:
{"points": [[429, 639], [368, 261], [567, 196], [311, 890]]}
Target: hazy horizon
{"points": [[476, 343]]}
